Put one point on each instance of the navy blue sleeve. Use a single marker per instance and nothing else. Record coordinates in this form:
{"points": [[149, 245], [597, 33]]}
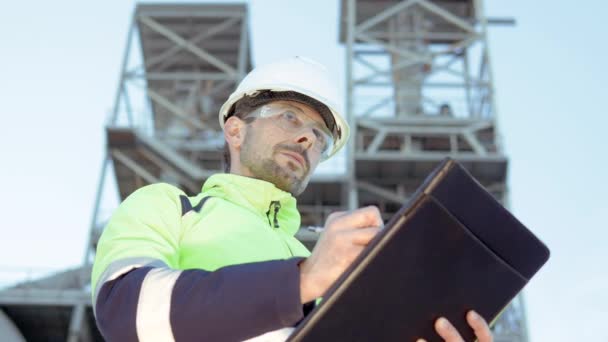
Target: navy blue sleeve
{"points": [[116, 306], [233, 303]]}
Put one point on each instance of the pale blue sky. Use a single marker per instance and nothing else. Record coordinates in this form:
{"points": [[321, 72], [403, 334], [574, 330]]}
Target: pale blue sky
{"points": [[59, 65]]}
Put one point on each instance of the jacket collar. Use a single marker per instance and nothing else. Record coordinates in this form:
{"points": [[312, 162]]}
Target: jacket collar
{"points": [[256, 195]]}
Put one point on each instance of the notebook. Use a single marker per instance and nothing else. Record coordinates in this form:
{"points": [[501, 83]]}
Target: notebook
{"points": [[452, 248]]}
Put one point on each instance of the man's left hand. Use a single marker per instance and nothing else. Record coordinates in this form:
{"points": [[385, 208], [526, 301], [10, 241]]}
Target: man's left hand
{"points": [[447, 331]]}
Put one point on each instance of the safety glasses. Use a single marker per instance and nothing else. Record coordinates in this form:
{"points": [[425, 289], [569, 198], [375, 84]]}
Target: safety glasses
{"points": [[293, 120]]}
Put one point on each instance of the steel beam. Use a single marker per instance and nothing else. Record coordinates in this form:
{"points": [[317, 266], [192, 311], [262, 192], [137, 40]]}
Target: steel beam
{"points": [[382, 16], [173, 109], [195, 40], [431, 36], [182, 76], [133, 166], [351, 189], [447, 15], [165, 166], [76, 320], [199, 52], [123, 70], [9, 330], [167, 13], [402, 52], [378, 191], [183, 165], [52, 297], [92, 227], [429, 156], [243, 47]]}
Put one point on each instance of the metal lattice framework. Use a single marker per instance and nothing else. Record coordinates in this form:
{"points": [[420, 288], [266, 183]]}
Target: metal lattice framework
{"points": [[419, 88], [163, 127], [192, 57], [186, 75]]}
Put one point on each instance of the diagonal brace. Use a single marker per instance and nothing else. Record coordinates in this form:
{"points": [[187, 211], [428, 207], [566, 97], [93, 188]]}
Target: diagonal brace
{"points": [[387, 13], [447, 15], [202, 54], [195, 40]]}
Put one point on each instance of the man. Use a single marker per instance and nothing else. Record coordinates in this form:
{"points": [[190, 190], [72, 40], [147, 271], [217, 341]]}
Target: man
{"points": [[224, 265]]}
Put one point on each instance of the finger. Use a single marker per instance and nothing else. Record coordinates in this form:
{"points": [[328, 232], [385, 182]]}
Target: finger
{"points": [[480, 327], [446, 330], [420, 340], [359, 218], [334, 215], [362, 236]]}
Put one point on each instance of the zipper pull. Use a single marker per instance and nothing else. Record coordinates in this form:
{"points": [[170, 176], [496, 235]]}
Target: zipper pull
{"points": [[277, 206]]}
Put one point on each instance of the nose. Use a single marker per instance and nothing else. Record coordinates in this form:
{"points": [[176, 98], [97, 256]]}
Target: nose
{"points": [[306, 138]]}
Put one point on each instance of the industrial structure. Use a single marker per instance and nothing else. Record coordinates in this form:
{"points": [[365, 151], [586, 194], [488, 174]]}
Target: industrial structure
{"points": [[419, 88]]}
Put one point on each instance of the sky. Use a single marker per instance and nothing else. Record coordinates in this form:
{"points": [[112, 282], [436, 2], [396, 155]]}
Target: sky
{"points": [[59, 68]]}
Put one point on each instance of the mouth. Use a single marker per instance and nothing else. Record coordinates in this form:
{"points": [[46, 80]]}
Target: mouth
{"points": [[298, 158]]}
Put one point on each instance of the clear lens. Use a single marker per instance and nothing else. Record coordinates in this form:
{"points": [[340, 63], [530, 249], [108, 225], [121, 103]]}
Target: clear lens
{"points": [[293, 120]]}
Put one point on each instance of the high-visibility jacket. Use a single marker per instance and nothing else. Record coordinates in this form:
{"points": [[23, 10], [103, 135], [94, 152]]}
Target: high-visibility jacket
{"points": [[219, 266]]}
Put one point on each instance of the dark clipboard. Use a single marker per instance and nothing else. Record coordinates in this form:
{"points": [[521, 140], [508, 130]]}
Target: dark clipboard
{"points": [[452, 248]]}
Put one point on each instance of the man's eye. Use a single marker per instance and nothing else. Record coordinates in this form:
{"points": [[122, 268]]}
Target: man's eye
{"points": [[291, 119], [290, 116], [321, 138]]}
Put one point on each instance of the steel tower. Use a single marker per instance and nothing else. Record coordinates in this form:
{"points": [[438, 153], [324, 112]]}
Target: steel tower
{"points": [[181, 62], [419, 88]]}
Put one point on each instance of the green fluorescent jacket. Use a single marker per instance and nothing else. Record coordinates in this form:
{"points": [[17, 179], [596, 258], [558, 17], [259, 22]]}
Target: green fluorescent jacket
{"points": [[236, 225]]}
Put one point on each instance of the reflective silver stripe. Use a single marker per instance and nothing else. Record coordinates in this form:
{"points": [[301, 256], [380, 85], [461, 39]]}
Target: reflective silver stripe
{"points": [[273, 336], [120, 267], [154, 306]]}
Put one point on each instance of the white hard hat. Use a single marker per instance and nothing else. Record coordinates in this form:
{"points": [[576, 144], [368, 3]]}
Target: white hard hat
{"points": [[300, 75]]}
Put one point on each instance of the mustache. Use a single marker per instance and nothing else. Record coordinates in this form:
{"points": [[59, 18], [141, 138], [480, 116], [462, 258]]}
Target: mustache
{"points": [[295, 149]]}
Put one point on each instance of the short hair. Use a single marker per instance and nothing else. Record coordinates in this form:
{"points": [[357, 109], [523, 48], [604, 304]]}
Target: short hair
{"points": [[248, 104], [240, 109]]}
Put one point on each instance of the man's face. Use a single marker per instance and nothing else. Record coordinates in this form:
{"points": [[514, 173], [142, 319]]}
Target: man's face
{"points": [[284, 156]]}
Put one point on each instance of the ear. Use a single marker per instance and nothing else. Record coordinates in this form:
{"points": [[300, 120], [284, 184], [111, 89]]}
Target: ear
{"points": [[234, 132]]}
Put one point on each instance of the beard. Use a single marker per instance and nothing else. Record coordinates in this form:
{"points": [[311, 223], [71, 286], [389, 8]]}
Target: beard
{"points": [[266, 167]]}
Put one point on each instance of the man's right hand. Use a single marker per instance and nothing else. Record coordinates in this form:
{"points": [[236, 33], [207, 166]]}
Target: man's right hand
{"points": [[344, 237]]}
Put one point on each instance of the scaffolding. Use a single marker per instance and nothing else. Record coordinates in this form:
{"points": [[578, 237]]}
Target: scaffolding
{"points": [[419, 88], [181, 62]]}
